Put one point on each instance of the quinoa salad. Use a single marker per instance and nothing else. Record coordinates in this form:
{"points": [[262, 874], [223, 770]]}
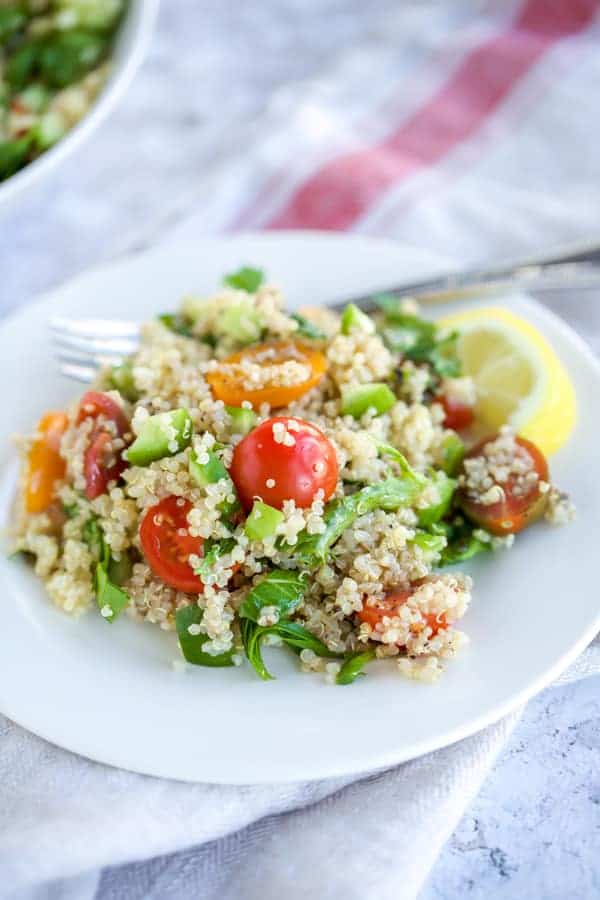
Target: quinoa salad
{"points": [[54, 60], [251, 477]]}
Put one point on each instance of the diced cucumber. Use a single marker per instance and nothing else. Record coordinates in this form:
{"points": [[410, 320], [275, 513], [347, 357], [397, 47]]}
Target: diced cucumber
{"points": [[242, 419], [432, 514], [164, 434], [240, 321], [454, 451], [357, 400], [121, 378], [263, 521], [209, 473], [355, 319], [50, 128], [433, 543]]}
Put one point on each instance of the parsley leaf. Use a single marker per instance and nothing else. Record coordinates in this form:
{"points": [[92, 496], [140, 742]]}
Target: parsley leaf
{"points": [[245, 279]]}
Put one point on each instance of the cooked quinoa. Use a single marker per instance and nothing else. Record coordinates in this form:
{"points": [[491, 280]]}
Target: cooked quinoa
{"points": [[54, 60], [319, 510]]}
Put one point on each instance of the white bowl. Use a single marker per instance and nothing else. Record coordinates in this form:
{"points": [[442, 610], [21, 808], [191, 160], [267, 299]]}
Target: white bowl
{"points": [[131, 43]]}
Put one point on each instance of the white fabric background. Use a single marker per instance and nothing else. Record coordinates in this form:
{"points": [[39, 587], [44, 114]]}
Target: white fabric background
{"points": [[229, 95]]}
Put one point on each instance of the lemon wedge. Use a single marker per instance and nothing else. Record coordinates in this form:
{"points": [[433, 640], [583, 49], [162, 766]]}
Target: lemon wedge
{"points": [[519, 378]]}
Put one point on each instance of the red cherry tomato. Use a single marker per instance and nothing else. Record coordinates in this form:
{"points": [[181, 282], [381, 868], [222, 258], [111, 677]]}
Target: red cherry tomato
{"points": [[456, 415], [101, 464], [167, 544], [292, 469], [389, 606], [516, 510], [94, 404]]}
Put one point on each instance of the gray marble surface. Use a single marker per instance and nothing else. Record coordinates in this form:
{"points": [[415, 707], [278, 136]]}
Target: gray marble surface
{"points": [[533, 832]]}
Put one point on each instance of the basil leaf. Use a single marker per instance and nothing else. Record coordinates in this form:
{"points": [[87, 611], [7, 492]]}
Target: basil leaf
{"points": [[192, 644], [177, 323], [111, 599], [300, 638], [13, 155], [463, 548], [390, 494], [12, 18], [308, 329], [446, 488], [245, 279], [282, 589], [252, 635], [212, 551], [66, 56], [293, 634], [94, 538], [353, 666], [417, 339]]}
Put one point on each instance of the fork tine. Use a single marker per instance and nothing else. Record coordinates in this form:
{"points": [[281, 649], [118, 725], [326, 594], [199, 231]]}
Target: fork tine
{"points": [[78, 372], [94, 345], [95, 328], [90, 360]]}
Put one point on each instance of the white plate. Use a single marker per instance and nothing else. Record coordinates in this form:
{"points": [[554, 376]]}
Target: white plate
{"points": [[109, 692]]}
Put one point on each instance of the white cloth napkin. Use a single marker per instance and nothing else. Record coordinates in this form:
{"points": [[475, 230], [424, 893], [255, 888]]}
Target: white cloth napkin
{"points": [[511, 179]]}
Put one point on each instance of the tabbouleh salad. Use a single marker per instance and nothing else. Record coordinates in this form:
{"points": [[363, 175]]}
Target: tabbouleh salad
{"points": [[252, 477], [54, 60]]}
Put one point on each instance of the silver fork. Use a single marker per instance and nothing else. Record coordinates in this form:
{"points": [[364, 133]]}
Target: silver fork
{"points": [[83, 346]]}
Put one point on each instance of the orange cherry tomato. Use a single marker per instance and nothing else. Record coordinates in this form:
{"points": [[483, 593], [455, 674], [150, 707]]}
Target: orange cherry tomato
{"points": [[456, 415], [45, 465], [231, 386], [389, 606], [276, 471], [167, 544], [516, 510]]}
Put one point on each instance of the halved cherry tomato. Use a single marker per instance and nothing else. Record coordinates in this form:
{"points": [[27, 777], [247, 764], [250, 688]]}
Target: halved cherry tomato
{"points": [[231, 387], [167, 544], [45, 465], [292, 468], [389, 606], [95, 403], [101, 463], [516, 510], [456, 415]]}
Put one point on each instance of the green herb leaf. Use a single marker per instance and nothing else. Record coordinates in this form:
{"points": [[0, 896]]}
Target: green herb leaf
{"points": [[300, 638], [12, 18], [282, 589], [307, 329], [417, 339], [463, 548], [66, 56], [13, 155], [293, 634], [192, 644], [177, 323], [93, 536], [311, 551], [213, 550], [245, 279], [108, 595], [252, 635], [353, 666]]}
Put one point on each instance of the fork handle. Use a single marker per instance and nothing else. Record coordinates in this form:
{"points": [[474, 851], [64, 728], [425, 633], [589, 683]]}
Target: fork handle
{"points": [[576, 267]]}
